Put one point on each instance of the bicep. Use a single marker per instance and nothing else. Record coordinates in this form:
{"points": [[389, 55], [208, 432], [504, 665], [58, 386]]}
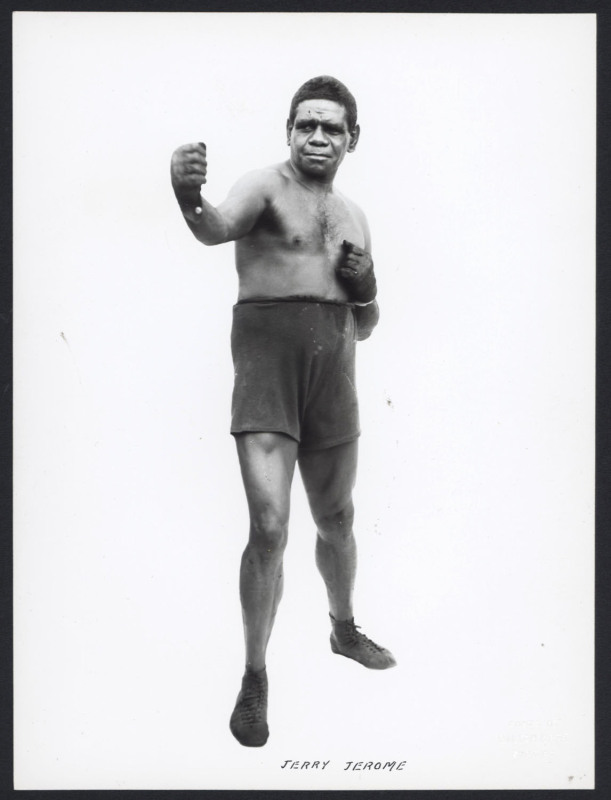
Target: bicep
{"points": [[364, 226], [367, 240], [244, 205], [366, 233]]}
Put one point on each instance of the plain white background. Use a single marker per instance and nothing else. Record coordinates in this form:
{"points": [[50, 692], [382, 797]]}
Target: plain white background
{"points": [[475, 493]]}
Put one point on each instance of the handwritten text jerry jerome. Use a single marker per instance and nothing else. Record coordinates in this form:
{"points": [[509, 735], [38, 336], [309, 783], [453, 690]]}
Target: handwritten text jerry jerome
{"points": [[387, 766]]}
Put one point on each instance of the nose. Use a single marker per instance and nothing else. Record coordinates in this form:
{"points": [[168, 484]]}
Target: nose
{"points": [[318, 136]]}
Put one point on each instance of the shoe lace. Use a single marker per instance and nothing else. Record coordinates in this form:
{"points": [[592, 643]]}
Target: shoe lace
{"points": [[353, 636], [253, 700]]}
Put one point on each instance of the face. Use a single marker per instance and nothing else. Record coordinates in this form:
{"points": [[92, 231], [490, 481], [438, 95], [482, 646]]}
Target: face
{"points": [[319, 138]]}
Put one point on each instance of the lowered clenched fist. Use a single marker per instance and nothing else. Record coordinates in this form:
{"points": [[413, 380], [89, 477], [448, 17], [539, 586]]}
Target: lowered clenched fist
{"points": [[355, 271]]}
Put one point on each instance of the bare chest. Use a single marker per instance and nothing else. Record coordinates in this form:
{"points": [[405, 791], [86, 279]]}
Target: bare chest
{"points": [[316, 223]]}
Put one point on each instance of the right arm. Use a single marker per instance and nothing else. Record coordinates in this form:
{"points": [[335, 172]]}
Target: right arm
{"points": [[234, 217]]}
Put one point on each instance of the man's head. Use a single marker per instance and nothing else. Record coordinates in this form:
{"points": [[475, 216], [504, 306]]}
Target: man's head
{"points": [[321, 127], [324, 87]]}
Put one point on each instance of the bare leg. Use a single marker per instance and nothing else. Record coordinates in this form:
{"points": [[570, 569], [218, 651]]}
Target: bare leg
{"points": [[329, 476], [267, 461]]}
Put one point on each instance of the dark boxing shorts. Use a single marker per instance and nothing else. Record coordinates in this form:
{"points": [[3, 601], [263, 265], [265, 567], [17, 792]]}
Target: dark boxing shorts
{"points": [[294, 371]]}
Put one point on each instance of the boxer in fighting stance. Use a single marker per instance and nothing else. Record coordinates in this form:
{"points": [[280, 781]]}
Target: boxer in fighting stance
{"points": [[306, 294]]}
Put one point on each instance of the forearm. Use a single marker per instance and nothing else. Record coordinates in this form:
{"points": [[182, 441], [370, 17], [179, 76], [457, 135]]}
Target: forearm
{"points": [[367, 318], [205, 222]]}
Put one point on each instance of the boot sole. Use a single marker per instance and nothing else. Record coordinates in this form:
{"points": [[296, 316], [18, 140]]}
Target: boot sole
{"points": [[255, 743], [338, 652]]}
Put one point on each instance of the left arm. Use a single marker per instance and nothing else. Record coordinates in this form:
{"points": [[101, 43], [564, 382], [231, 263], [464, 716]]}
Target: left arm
{"points": [[356, 273], [367, 317]]}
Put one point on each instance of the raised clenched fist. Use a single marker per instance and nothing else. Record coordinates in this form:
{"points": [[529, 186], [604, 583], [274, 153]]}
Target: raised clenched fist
{"points": [[355, 271], [188, 170]]}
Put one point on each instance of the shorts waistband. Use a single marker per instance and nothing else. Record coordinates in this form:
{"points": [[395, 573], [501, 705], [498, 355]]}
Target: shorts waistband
{"points": [[295, 298]]}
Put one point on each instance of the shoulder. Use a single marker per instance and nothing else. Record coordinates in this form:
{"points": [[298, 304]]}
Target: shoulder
{"points": [[265, 180], [355, 209], [358, 213]]}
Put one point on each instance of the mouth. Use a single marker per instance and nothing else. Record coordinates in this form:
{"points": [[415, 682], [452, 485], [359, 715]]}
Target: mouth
{"points": [[317, 156]]}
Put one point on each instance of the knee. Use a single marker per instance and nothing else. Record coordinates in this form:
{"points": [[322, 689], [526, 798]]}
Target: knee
{"points": [[268, 534], [336, 525]]}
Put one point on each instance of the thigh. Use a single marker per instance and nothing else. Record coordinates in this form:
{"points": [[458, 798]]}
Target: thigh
{"points": [[329, 476], [267, 462]]}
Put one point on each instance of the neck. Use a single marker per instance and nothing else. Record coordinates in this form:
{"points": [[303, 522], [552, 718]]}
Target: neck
{"points": [[314, 184]]}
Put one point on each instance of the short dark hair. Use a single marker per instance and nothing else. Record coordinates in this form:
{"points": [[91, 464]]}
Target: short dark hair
{"points": [[325, 87]]}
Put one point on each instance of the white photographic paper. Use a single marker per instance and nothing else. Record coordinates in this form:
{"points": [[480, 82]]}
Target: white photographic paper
{"points": [[475, 496]]}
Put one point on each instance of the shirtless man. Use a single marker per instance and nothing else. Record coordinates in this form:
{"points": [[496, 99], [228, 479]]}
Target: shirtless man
{"points": [[306, 294]]}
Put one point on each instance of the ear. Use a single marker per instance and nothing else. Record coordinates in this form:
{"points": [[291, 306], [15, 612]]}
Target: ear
{"points": [[289, 128], [354, 137]]}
